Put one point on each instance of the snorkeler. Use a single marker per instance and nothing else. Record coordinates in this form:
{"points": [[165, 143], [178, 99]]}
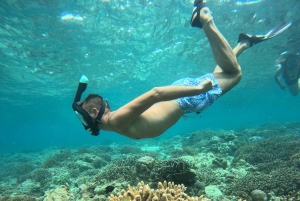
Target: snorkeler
{"points": [[289, 69], [152, 113]]}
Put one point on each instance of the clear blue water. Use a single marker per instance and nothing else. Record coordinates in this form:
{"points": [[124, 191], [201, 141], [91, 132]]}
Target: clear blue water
{"points": [[126, 48]]}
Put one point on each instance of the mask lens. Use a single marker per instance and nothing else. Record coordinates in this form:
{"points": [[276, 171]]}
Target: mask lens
{"points": [[80, 117]]}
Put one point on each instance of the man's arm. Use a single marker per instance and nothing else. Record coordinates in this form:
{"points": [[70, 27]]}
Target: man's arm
{"points": [[279, 72], [123, 117]]}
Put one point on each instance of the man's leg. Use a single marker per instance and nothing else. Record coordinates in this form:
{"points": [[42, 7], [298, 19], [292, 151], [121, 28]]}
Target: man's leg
{"points": [[228, 72]]}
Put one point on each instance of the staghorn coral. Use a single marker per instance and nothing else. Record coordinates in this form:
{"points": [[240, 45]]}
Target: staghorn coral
{"points": [[165, 191]]}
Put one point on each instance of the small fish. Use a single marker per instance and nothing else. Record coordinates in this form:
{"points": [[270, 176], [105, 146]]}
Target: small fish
{"points": [[109, 189]]}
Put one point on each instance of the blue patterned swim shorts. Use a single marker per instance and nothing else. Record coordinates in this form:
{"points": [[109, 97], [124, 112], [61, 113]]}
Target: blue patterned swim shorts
{"points": [[199, 102]]}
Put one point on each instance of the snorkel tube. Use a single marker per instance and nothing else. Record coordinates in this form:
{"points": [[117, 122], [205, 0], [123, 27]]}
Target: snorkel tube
{"points": [[81, 88]]}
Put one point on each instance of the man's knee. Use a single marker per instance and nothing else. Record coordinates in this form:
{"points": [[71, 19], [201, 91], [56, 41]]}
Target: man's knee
{"points": [[239, 75]]}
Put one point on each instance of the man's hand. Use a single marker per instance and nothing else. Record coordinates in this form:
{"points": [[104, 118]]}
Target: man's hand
{"points": [[207, 84]]}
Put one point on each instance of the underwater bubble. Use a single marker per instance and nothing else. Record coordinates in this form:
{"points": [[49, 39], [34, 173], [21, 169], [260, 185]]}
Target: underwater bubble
{"points": [[66, 16], [78, 18], [158, 50], [247, 2]]}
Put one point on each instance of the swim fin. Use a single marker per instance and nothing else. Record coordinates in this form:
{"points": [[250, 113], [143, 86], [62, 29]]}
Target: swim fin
{"points": [[260, 38]]}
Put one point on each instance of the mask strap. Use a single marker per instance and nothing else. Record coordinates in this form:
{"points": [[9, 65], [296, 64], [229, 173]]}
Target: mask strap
{"points": [[102, 110]]}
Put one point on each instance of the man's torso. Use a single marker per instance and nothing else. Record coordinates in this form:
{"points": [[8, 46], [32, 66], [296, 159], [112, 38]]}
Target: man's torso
{"points": [[154, 121]]}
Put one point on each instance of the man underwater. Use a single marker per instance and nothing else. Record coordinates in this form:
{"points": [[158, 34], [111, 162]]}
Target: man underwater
{"points": [[152, 113], [289, 69]]}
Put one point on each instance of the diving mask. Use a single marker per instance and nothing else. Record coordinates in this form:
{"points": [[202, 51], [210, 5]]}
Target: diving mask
{"points": [[88, 123]]}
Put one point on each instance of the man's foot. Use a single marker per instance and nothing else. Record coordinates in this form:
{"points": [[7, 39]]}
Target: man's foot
{"points": [[195, 19], [252, 39]]}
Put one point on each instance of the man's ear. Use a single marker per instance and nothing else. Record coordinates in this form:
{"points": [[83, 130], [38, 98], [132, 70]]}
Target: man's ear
{"points": [[95, 111]]}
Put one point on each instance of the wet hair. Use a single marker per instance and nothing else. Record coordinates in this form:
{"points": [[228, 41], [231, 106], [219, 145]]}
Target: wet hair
{"points": [[93, 100]]}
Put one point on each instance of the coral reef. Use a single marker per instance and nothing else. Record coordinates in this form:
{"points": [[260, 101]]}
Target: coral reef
{"points": [[281, 181], [17, 198], [61, 193], [165, 191], [220, 162], [270, 154], [121, 169], [258, 195], [176, 170], [184, 151], [56, 159], [41, 176], [129, 150], [267, 158], [144, 166]]}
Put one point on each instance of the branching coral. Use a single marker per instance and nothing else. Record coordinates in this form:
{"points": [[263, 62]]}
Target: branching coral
{"points": [[165, 191]]}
